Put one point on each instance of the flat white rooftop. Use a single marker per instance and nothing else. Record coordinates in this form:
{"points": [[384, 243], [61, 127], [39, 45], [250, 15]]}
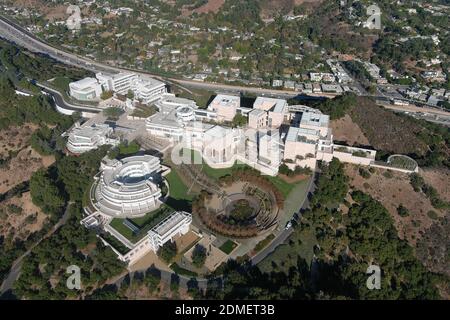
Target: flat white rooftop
{"points": [[257, 112], [226, 100], [294, 133], [315, 119], [85, 83], [146, 83], [173, 221], [91, 131], [217, 132]]}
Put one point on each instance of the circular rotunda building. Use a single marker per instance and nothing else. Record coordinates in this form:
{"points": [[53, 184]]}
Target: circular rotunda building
{"points": [[127, 187]]}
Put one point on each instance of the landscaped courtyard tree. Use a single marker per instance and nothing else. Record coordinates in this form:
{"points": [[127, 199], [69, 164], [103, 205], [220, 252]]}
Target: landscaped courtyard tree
{"points": [[113, 113], [199, 256], [168, 251]]}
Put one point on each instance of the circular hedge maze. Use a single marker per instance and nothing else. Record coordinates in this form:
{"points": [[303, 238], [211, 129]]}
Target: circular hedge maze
{"points": [[242, 210]]}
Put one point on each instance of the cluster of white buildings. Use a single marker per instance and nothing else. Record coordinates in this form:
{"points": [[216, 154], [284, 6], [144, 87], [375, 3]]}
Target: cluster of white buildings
{"points": [[339, 72], [374, 72], [127, 189], [434, 75], [89, 137], [321, 76], [276, 133], [145, 89], [433, 97]]}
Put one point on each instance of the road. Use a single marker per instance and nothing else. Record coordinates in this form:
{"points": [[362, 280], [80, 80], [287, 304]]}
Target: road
{"points": [[166, 276], [17, 265], [22, 37], [59, 101], [13, 32], [281, 238]]}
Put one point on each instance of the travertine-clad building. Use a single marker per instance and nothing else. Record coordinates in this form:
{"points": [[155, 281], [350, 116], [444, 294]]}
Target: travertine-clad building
{"points": [[268, 113], [86, 89], [86, 138], [145, 89], [225, 107], [176, 224], [276, 133], [127, 187]]}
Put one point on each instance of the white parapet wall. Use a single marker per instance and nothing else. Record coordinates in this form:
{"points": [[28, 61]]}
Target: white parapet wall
{"points": [[177, 223], [354, 155]]}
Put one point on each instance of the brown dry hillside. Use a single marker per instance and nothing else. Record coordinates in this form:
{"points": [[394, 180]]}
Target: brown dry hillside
{"points": [[387, 131], [392, 190], [425, 228], [211, 6], [20, 217], [439, 178], [270, 8], [346, 131]]}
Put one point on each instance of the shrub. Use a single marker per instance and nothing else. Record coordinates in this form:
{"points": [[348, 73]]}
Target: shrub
{"points": [[388, 174], [432, 214], [402, 211], [364, 173]]}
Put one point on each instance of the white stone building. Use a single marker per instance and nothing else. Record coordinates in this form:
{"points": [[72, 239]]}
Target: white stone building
{"points": [[86, 89], [176, 224], [86, 138], [144, 88], [127, 187]]}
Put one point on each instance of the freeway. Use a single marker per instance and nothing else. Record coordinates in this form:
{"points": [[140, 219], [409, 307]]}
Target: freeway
{"points": [[15, 33]]}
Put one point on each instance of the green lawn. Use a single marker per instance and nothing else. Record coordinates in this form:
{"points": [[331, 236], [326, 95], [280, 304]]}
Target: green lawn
{"points": [[178, 190], [228, 246], [144, 223], [297, 193], [264, 242], [115, 243], [284, 187], [300, 242], [218, 173], [200, 96]]}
